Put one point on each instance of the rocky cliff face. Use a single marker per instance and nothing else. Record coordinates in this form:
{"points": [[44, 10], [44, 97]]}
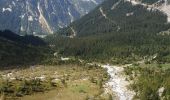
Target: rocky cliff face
{"points": [[165, 7], [42, 16], [162, 5]]}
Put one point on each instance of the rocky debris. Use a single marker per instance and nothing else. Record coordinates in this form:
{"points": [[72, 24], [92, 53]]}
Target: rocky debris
{"points": [[130, 14], [80, 60], [65, 59], [41, 78], [55, 76], [117, 83], [161, 5], [8, 76], [55, 54], [163, 33]]}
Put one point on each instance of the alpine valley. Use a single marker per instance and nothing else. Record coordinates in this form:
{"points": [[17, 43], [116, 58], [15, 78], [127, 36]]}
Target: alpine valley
{"points": [[84, 49]]}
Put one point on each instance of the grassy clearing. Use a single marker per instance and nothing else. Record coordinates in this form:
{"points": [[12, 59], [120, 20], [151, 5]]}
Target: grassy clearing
{"points": [[63, 82], [77, 90]]}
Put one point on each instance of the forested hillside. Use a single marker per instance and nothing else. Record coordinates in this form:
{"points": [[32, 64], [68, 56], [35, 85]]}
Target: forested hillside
{"points": [[116, 30], [114, 47], [149, 1], [20, 50], [119, 16]]}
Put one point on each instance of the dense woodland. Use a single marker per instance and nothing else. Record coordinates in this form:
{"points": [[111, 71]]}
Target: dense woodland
{"points": [[20, 50], [149, 1], [113, 46], [124, 18], [118, 37]]}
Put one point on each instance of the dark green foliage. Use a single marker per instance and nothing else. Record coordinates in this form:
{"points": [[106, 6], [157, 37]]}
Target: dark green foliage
{"points": [[149, 1], [142, 21], [7, 87], [26, 40], [100, 38], [16, 50], [114, 47]]}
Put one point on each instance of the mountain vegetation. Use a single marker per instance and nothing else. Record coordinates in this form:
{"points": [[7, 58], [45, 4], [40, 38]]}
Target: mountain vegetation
{"points": [[114, 47], [120, 32], [116, 32], [149, 1], [20, 50], [119, 18], [116, 35], [151, 81]]}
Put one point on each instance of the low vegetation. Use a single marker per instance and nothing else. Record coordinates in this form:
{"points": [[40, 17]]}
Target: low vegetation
{"points": [[151, 81], [73, 80]]}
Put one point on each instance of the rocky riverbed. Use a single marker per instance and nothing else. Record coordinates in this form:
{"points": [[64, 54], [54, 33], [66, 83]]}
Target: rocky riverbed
{"points": [[118, 83]]}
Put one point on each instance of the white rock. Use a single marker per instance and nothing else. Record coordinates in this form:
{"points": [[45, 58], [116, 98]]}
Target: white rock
{"points": [[117, 83], [64, 59], [42, 78], [160, 91]]}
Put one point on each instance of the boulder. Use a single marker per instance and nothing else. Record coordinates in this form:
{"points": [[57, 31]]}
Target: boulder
{"points": [[56, 82]]}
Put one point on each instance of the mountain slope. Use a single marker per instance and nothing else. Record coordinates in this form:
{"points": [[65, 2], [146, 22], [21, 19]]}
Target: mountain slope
{"points": [[116, 30], [20, 50], [26, 40], [119, 16], [84, 6], [41, 16]]}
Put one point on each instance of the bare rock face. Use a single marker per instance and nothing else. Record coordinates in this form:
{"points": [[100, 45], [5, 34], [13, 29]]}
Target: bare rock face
{"points": [[42, 16], [162, 5]]}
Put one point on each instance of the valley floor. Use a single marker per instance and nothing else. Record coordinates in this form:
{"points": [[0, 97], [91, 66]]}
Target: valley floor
{"points": [[117, 86], [60, 82], [85, 82]]}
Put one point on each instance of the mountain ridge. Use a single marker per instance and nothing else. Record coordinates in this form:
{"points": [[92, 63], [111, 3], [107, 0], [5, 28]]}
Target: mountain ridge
{"points": [[41, 16], [20, 50], [120, 15]]}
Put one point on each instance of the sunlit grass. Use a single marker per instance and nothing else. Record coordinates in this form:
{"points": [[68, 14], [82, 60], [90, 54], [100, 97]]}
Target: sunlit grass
{"points": [[76, 82]]}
